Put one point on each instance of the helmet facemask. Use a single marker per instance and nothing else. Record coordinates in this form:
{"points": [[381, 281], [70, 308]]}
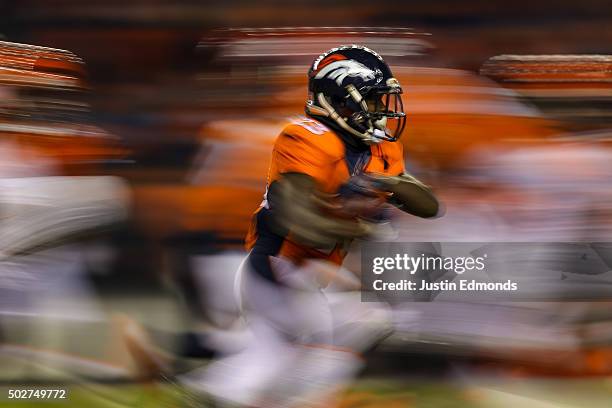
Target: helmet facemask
{"points": [[374, 114]]}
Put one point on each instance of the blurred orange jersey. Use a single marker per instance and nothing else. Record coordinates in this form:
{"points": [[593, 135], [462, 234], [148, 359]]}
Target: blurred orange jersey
{"points": [[307, 146]]}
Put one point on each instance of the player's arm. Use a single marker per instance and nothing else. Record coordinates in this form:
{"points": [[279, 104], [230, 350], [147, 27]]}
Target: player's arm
{"points": [[300, 209], [409, 195]]}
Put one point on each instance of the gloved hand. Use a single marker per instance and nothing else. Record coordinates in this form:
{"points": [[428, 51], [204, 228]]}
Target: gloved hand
{"points": [[407, 193]]}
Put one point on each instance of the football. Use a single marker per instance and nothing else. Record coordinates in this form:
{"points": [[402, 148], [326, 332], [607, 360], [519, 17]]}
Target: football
{"points": [[360, 198]]}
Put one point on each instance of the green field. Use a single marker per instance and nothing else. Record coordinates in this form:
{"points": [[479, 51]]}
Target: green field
{"points": [[365, 393]]}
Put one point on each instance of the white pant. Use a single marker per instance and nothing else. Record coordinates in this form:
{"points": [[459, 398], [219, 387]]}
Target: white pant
{"points": [[297, 356]]}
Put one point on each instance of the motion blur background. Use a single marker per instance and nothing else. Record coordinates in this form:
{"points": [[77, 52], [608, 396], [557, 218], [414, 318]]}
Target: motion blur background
{"points": [[132, 162]]}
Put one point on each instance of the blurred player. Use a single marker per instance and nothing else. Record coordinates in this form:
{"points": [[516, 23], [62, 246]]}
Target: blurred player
{"points": [[330, 174]]}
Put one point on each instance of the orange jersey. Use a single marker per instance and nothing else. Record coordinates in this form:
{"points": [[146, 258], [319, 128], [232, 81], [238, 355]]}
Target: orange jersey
{"points": [[307, 146]]}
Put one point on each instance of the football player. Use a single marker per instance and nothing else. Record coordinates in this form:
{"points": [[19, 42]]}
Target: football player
{"points": [[355, 117], [329, 174]]}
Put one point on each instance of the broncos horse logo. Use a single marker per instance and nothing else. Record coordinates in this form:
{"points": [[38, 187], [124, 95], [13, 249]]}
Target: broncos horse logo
{"points": [[340, 69]]}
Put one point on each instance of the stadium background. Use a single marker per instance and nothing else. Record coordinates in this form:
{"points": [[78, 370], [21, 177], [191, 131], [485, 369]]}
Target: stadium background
{"points": [[169, 102]]}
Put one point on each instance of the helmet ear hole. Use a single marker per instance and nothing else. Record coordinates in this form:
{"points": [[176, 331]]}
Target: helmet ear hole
{"points": [[342, 106], [338, 101]]}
